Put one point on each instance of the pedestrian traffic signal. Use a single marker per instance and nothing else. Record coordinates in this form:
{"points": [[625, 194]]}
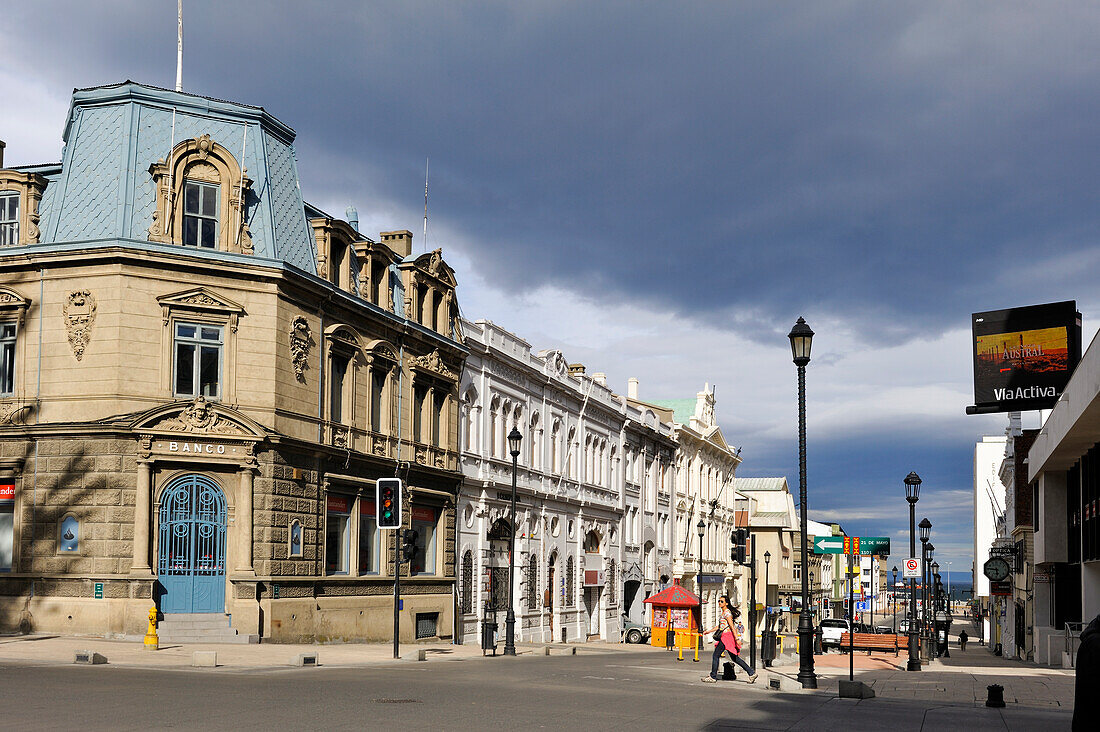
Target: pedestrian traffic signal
{"points": [[409, 549], [388, 503], [738, 537]]}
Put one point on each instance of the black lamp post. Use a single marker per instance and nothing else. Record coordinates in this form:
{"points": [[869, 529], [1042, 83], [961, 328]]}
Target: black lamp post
{"points": [[701, 527], [894, 596], [912, 495], [767, 595], [935, 577], [514, 438], [801, 339]]}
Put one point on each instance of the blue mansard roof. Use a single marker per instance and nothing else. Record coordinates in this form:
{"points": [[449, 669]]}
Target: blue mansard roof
{"points": [[104, 190]]}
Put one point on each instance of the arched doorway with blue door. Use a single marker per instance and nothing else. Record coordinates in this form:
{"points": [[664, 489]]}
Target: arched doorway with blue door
{"points": [[191, 551]]}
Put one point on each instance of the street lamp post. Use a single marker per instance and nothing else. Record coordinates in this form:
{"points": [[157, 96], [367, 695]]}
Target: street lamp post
{"points": [[929, 610], [801, 338], [701, 527], [912, 495], [925, 528], [937, 590], [514, 438], [766, 636], [894, 596]]}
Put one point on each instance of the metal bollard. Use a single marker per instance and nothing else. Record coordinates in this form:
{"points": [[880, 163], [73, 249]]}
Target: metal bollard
{"points": [[996, 696]]}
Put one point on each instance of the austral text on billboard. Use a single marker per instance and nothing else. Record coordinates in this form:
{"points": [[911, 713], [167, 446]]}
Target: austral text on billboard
{"points": [[1023, 357]]}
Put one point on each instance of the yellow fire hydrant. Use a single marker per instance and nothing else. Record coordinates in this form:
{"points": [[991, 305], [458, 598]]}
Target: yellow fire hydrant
{"points": [[152, 643]]}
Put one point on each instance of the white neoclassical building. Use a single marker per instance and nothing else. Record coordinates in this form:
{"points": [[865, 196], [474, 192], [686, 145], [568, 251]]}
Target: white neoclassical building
{"points": [[569, 492], [704, 490], [649, 470]]}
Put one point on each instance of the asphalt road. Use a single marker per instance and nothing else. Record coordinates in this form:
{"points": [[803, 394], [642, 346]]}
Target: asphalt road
{"points": [[622, 690]]}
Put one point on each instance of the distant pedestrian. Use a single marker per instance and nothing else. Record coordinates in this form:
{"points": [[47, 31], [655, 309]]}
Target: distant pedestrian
{"points": [[727, 642], [1086, 700], [963, 638]]}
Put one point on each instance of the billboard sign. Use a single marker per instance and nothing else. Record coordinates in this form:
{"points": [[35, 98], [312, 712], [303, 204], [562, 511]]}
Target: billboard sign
{"points": [[1023, 357]]}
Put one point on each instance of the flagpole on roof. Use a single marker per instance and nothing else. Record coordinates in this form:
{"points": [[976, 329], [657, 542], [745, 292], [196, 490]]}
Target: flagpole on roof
{"points": [[179, 45]]}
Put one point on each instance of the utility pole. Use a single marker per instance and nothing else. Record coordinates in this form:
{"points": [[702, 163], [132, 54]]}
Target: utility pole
{"points": [[752, 605]]}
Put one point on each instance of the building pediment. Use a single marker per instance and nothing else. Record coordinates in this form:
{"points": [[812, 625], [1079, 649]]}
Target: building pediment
{"points": [[432, 264], [198, 417], [200, 299]]}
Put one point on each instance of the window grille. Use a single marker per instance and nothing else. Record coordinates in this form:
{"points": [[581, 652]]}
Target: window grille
{"points": [[533, 583], [569, 582], [426, 625], [467, 582], [611, 582]]}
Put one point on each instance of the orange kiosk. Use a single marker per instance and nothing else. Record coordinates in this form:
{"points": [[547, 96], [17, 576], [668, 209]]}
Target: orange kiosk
{"points": [[678, 611]]}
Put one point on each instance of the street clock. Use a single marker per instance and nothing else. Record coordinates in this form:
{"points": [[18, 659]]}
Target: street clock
{"points": [[996, 569]]}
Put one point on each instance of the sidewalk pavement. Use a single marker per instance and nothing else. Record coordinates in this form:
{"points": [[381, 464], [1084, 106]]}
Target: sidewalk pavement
{"points": [[45, 649], [959, 680]]}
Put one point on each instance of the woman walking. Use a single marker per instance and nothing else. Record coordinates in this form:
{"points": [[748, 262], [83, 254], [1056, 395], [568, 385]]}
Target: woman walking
{"points": [[727, 642]]}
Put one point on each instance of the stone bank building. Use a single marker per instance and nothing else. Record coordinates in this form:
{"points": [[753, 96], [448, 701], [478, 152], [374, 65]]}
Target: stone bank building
{"points": [[201, 377]]}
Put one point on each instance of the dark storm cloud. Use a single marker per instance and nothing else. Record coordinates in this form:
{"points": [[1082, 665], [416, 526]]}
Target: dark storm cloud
{"points": [[895, 163]]}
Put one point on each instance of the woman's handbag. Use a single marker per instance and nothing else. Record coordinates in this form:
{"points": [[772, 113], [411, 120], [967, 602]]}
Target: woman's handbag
{"points": [[717, 635]]}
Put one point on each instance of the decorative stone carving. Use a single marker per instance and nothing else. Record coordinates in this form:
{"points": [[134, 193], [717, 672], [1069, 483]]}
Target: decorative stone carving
{"points": [[79, 311], [435, 264], [379, 445], [421, 456], [409, 291], [433, 362], [199, 417], [14, 413], [341, 438], [301, 341]]}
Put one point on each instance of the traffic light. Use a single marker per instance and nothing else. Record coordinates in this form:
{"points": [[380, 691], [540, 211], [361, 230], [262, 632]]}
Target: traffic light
{"points": [[738, 538], [388, 503], [408, 547]]}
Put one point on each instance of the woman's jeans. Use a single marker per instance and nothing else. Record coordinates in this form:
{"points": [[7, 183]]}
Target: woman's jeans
{"points": [[719, 649]]}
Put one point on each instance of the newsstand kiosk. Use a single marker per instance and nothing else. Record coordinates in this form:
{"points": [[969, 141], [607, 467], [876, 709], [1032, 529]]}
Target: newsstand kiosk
{"points": [[675, 612]]}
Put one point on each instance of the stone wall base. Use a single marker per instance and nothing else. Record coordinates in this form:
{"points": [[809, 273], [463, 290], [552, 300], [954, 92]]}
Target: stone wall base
{"points": [[350, 619]]}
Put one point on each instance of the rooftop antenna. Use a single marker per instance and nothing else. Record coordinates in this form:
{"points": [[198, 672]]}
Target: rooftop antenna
{"points": [[179, 45], [426, 204]]}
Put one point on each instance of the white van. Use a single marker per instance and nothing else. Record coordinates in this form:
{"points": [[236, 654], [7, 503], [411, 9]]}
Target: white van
{"points": [[831, 629]]}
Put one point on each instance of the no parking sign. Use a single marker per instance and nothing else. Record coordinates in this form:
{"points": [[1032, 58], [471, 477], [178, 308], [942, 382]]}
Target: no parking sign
{"points": [[912, 569]]}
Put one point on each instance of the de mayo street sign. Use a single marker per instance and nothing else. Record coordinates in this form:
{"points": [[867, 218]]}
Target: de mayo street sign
{"points": [[855, 544]]}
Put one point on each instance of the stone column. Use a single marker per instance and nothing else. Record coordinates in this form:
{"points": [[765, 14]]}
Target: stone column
{"points": [[244, 523], [142, 526]]}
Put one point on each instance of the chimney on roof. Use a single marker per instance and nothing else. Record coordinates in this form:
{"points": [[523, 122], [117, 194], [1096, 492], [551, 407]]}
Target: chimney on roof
{"points": [[576, 369], [632, 387], [401, 242], [2, 146], [600, 378], [353, 217]]}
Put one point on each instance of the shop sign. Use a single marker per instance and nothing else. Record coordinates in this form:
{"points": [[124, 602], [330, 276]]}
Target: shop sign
{"points": [[7, 491], [339, 504], [99, 590], [201, 448], [593, 578], [423, 513], [1000, 589], [506, 496], [712, 579]]}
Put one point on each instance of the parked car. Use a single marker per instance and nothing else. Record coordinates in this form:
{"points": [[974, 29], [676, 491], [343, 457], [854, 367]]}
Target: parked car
{"points": [[634, 632], [831, 630], [884, 629]]}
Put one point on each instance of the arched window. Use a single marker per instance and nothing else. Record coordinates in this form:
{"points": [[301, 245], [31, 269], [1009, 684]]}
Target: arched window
{"points": [[555, 447], [494, 426], [467, 582], [533, 583], [535, 442], [571, 454]]}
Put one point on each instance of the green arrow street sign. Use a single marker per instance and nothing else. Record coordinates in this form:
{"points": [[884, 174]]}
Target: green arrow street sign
{"points": [[867, 545], [828, 545]]}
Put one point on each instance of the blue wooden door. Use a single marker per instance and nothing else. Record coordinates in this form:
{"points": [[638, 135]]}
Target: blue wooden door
{"points": [[191, 561]]}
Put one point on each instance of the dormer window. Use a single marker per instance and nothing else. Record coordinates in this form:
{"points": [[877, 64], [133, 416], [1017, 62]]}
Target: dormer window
{"points": [[9, 219], [202, 196], [200, 215]]}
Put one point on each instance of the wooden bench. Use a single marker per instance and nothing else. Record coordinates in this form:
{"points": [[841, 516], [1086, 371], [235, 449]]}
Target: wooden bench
{"points": [[869, 642]]}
